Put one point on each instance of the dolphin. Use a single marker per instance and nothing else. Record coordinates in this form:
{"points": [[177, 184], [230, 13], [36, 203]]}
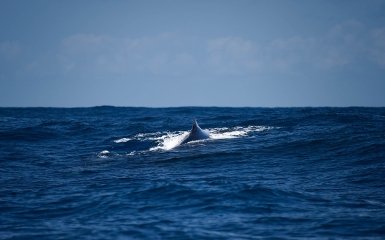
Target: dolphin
{"points": [[196, 133]]}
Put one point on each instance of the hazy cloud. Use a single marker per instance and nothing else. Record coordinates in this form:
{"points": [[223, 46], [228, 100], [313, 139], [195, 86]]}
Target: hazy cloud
{"points": [[343, 45], [163, 54]]}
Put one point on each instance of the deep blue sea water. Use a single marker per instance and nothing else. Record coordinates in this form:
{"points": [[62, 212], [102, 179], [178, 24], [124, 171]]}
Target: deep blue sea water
{"points": [[118, 173]]}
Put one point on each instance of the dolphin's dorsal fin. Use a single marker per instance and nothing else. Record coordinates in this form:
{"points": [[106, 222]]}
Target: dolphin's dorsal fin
{"points": [[195, 125], [196, 133]]}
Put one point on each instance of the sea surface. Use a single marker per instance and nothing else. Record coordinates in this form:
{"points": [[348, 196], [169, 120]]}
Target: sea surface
{"points": [[121, 173]]}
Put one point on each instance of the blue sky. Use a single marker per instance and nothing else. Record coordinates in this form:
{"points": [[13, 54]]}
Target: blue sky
{"points": [[192, 53]]}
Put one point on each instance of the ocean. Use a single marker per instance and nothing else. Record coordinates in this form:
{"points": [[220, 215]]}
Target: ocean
{"points": [[120, 173]]}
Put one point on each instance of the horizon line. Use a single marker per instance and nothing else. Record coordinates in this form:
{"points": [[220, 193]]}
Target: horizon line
{"points": [[196, 106]]}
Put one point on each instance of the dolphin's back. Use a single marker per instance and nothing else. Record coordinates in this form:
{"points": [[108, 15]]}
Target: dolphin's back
{"points": [[196, 133]]}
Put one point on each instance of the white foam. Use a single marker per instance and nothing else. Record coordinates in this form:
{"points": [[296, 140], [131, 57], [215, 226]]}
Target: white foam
{"points": [[236, 132], [131, 153], [104, 154], [169, 140], [122, 140]]}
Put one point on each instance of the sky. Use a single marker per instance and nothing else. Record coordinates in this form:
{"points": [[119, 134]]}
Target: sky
{"points": [[192, 53]]}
